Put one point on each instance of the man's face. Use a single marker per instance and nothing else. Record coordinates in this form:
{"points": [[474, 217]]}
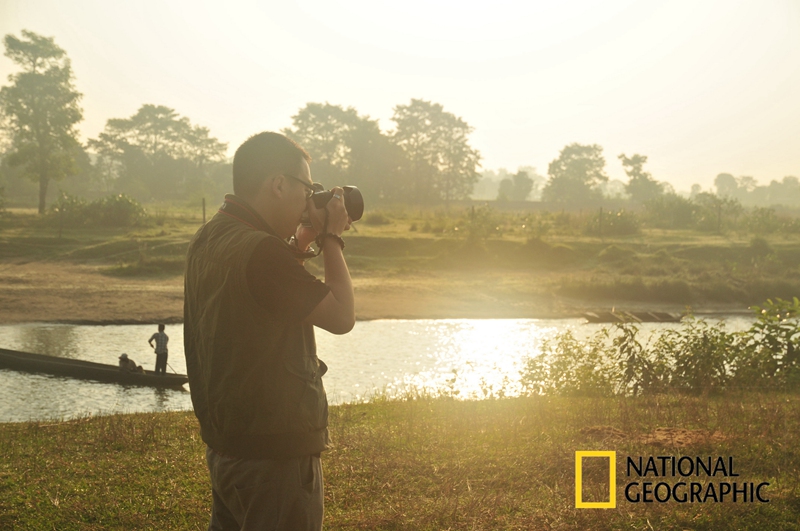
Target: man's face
{"points": [[295, 200]]}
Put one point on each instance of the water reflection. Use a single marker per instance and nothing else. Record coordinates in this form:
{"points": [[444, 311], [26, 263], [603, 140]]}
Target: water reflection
{"points": [[53, 340], [465, 358]]}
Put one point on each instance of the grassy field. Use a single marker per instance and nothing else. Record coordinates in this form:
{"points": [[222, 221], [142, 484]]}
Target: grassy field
{"points": [[458, 262], [420, 464]]}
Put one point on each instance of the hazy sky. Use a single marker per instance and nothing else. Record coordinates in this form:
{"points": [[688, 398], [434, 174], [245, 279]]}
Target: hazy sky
{"points": [[700, 87]]}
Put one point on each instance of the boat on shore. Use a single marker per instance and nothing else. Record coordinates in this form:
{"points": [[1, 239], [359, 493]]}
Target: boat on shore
{"points": [[616, 316], [85, 370]]}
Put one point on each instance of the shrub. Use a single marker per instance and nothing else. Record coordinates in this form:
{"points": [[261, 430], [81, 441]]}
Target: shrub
{"points": [[698, 357], [69, 211], [620, 223], [376, 218], [112, 211], [117, 211], [669, 211]]}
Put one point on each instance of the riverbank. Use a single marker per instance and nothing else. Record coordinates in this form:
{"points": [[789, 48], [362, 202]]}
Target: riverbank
{"points": [[50, 291], [426, 463]]}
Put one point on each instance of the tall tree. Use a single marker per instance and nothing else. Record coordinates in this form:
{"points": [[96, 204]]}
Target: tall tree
{"points": [[576, 174], [641, 185], [156, 153], [347, 148], [40, 108], [442, 164], [726, 185]]}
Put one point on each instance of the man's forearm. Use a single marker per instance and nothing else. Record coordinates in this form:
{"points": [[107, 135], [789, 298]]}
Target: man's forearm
{"points": [[337, 276]]}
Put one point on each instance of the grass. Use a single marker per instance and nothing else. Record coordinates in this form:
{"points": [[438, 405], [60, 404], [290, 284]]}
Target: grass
{"points": [[658, 266], [417, 464]]}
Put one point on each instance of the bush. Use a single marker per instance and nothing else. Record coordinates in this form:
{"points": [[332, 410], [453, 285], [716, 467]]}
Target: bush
{"points": [[698, 357], [669, 211], [762, 220], [117, 211], [376, 218], [112, 211], [620, 223]]}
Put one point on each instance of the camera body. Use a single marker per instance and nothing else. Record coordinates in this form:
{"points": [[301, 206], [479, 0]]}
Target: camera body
{"points": [[353, 201]]}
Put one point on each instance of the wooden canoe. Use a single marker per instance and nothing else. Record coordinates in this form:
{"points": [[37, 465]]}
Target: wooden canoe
{"points": [[631, 317], [85, 370]]}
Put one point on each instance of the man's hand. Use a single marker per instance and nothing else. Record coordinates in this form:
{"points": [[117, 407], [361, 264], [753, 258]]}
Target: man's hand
{"points": [[336, 312], [332, 212], [338, 220]]}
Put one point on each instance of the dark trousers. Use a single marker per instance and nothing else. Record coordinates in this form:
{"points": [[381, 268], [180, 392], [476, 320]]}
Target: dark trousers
{"points": [[161, 363], [265, 494]]}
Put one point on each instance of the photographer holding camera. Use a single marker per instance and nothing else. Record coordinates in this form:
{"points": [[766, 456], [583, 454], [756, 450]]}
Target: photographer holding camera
{"points": [[250, 309]]}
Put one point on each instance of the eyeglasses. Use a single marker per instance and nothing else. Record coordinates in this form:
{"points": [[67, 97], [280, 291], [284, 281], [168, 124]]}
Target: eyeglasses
{"points": [[310, 188]]}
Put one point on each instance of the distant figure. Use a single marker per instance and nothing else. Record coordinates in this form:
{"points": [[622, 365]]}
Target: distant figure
{"points": [[128, 365], [161, 340]]}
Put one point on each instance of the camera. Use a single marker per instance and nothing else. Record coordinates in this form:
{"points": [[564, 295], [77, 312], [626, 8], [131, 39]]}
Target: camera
{"points": [[353, 200]]}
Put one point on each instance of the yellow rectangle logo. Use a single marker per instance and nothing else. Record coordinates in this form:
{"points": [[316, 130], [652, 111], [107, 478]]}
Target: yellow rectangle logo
{"points": [[612, 480]]}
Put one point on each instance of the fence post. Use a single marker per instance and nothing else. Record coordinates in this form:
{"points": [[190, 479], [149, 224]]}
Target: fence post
{"points": [[601, 224]]}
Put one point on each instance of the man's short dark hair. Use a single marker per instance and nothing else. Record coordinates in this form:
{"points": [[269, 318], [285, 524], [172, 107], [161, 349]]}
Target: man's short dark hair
{"points": [[161, 328], [264, 155]]}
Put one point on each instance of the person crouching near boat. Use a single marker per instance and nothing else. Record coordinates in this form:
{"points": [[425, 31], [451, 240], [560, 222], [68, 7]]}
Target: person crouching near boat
{"points": [[128, 365]]}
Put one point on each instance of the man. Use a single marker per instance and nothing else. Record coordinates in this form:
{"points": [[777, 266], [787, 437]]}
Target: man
{"points": [[249, 312], [161, 340]]}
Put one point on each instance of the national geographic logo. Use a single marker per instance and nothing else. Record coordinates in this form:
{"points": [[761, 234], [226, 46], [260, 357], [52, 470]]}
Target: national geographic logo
{"points": [[702, 479]]}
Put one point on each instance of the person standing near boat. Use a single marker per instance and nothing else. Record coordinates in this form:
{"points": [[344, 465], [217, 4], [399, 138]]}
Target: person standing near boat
{"points": [[161, 340], [250, 308]]}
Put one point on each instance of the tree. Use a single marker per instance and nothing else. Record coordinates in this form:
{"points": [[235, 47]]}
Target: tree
{"points": [[40, 108], [726, 185], [575, 175], [157, 153], [442, 165], [325, 130], [348, 149], [641, 186], [516, 188]]}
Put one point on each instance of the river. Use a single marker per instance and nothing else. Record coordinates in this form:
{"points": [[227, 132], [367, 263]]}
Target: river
{"points": [[469, 358]]}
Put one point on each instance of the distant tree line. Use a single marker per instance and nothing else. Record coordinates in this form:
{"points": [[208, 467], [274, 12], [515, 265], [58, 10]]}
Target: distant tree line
{"points": [[425, 158]]}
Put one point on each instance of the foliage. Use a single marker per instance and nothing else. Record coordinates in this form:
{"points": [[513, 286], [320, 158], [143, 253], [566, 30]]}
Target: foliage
{"points": [[158, 154], [698, 357], [516, 188], [774, 343], [349, 149], [571, 367], [480, 223], [575, 175], [669, 211], [746, 190], [714, 213], [112, 211], [762, 220], [442, 164], [376, 218], [641, 186], [619, 223], [41, 109]]}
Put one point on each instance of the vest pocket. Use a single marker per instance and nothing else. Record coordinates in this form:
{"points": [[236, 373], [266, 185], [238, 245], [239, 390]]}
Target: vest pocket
{"points": [[304, 367]]}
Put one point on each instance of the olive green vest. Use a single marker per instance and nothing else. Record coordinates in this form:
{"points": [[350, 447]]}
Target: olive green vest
{"points": [[255, 378]]}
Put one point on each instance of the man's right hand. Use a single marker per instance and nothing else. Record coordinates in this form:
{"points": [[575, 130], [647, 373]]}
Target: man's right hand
{"points": [[338, 220]]}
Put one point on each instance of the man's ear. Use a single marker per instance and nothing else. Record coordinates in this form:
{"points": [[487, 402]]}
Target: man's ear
{"points": [[277, 185], [271, 187]]}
